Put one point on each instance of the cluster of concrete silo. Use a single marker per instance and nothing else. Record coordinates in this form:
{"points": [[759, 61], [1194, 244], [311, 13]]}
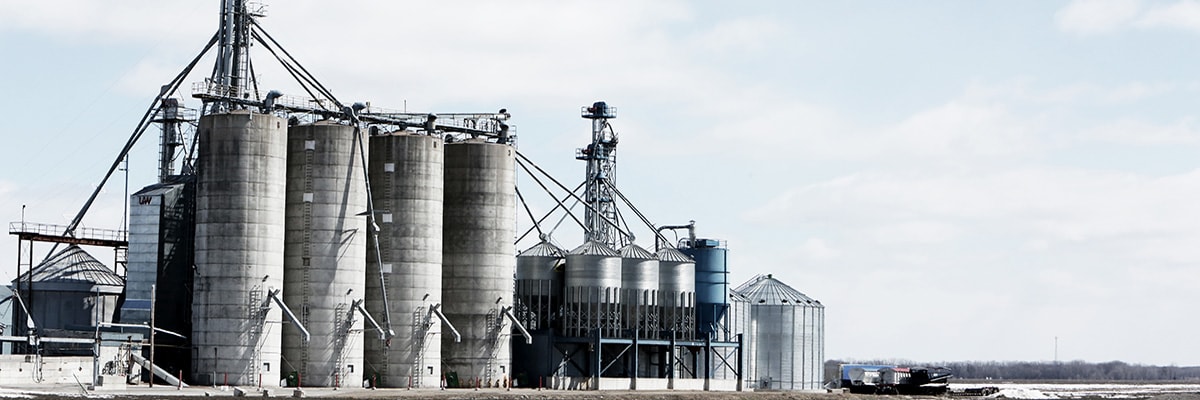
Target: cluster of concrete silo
{"points": [[282, 235]]}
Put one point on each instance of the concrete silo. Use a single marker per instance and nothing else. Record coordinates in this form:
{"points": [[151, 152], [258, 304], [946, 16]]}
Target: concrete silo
{"points": [[787, 330], [406, 186], [324, 255], [239, 248], [478, 260]]}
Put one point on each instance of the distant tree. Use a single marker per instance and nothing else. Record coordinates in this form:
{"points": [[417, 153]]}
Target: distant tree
{"points": [[1025, 370]]}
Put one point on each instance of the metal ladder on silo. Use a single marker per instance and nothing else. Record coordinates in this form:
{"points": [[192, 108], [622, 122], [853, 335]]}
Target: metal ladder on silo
{"points": [[495, 329], [306, 251], [419, 329], [256, 311], [343, 341]]}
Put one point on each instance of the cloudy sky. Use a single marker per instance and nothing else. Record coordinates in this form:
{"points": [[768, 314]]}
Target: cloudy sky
{"points": [[953, 180]]}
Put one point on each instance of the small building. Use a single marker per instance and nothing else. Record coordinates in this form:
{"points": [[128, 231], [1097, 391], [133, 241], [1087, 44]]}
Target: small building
{"points": [[68, 293]]}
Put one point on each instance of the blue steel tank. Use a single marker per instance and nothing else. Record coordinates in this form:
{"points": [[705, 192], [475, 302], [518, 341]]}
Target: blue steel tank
{"points": [[712, 283]]}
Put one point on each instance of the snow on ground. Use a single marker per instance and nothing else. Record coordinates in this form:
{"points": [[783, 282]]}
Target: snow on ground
{"points": [[13, 394], [1079, 390]]}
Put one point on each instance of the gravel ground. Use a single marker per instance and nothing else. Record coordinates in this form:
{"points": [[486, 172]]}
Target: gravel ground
{"points": [[63, 392], [165, 393]]}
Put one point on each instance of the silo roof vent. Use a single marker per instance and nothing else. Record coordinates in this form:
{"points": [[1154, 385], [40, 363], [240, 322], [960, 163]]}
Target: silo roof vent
{"points": [[543, 249], [672, 255], [636, 252], [594, 248]]}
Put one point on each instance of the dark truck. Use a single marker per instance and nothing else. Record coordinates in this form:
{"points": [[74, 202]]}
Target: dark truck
{"points": [[890, 379]]}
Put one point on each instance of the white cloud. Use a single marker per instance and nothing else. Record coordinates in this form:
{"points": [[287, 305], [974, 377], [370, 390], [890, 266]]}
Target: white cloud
{"points": [[817, 249], [1096, 16], [1091, 17], [1040, 205], [162, 22], [961, 128], [741, 35], [1182, 15], [1140, 132]]}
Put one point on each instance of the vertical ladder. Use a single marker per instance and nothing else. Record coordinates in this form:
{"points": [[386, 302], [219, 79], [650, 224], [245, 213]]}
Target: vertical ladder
{"points": [[342, 341], [256, 312], [306, 246], [420, 337]]}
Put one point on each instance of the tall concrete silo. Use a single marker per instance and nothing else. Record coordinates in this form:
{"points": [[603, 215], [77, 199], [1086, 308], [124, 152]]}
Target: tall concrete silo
{"points": [[324, 254], [593, 291], [478, 259], [677, 292], [406, 186], [788, 336], [239, 248]]}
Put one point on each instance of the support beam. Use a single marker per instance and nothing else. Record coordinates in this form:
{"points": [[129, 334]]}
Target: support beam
{"points": [[597, 359], [738, 373], [159, 372], [524, 332], [633, 377], [274, 295], [671, 362], [707, 363], [437, 310], [357, 305]]}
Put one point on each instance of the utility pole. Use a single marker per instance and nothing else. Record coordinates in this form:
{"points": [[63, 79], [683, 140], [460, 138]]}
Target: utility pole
{"points": [[153, 298]]}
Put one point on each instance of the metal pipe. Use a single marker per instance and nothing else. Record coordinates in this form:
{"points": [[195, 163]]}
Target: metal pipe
{"points": [[691, 227], [373, 232], [436, 310], [274, 295], [156, 329], [563, 187], [358, 306], [524, 332], [28, 317], [157, 371]]}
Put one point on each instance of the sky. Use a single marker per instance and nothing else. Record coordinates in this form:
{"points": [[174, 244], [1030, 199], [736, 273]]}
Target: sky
{"points": [[986, 180]]}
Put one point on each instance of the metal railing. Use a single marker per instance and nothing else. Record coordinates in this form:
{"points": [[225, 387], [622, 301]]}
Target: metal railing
{"points": [[60, 230]]}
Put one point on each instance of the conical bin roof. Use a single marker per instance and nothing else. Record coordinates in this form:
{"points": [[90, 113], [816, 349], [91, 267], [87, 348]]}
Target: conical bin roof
{"points": [[765, 289], [73, 269]]}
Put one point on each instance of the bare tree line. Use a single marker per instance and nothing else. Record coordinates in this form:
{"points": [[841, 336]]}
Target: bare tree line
{"points": [[1027, 370]]}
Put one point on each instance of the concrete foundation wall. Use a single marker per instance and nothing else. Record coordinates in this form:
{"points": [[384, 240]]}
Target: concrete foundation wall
{"points": [[18, 370], [643, 384]]}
